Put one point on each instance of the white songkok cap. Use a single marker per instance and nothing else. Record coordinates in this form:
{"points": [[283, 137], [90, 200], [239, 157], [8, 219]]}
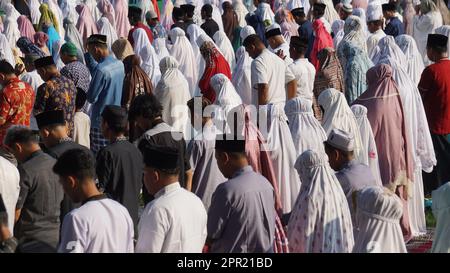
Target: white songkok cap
{"points": [[246, 31], [341, 140]]}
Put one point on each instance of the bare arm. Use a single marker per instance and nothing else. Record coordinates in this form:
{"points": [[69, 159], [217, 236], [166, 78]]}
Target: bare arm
{"points": [[188, 175], [17, 216], [263, 93], [291, 89]]}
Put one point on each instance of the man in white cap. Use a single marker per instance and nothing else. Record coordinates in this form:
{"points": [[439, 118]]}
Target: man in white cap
{"points": [[346, 10], [277, 44], [351, 175], [375, 26]]}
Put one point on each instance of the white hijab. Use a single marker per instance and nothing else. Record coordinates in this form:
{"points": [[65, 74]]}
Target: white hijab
{"points": [[320, 220], [6, 51], [173, 93], [293, 4], [92, 6], [378, 213], [369, 147], [414, 60], [241, 77], [441, 211], [160, 48], [182, 51], [241, 12], [330, 12], [338, 29], [307, 133], [11, 31], [194, 32], [34, 11], [149, 59], [104, 27], [225, 47], [337, 114], [417, 125], [445, 30]]}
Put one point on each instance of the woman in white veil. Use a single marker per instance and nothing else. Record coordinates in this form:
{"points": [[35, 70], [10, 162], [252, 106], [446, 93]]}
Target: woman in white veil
{"points": [[241, 12], [194, 31], [149, 59], [104, 27], [241, 76], [225, 47], [160, 48], [173, 93], [181, 50], [6, 52], [414, 59]]}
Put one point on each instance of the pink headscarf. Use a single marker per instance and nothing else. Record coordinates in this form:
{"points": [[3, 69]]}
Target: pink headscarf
{"points": [[41, 39], [322, 40], [26, 27], [85, 25], [107, 10], [360, 4], [122, 23]]}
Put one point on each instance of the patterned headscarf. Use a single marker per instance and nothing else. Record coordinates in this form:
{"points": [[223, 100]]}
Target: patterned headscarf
{"points": [[27, 47]]}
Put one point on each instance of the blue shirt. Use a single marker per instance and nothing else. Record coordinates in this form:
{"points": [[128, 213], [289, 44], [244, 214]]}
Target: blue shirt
{"points": [[106, 85], [395, 27]]}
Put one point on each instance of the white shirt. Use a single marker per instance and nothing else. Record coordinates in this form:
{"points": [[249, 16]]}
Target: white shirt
{"points": [[175, 221], [81, 129], [9, 189], [98, 226], [33, 79], [270, 69], [373, 40], [304, 73]]}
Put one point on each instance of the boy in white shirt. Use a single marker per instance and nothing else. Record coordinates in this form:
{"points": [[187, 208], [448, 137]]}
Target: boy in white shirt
{"points": [[82, 122], [100, 225]]}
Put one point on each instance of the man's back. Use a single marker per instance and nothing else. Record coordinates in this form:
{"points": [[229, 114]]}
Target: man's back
{"points": [[119, 171], [98, 226], [174, 222], [210, 27], [39, 200], [242, 214]]}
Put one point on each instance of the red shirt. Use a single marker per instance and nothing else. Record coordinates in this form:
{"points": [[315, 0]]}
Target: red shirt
{"points": [[16, 104], [144, 27], [434, 87]]}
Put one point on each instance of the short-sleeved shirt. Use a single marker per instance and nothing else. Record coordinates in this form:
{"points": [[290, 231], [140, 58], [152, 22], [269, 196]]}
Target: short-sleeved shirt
{"points": [[58, 93], [304, 73], [270, 69], [98, 226], [164, 135], [78, 73], [16, 104], [39, 200], [241, 218], [119, 171], [434, 86]]}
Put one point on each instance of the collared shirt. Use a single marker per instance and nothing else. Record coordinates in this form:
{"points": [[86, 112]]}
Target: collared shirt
{"points": [[241, 217], [39, 200], [101, 225], [16, 103], [372, 42], [175, 221], [144, 27], [305, 74], [106, 85], [78, 73], [58, 93], [434, 86]]}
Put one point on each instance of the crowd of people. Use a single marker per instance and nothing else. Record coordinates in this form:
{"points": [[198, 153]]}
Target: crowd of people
{"points": [[310, 126]]}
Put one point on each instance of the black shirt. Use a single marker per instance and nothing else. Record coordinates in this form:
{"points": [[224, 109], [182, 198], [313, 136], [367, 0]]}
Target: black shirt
{"points": [[39, 200], [161, 135], [210, 27], [119, 171]]}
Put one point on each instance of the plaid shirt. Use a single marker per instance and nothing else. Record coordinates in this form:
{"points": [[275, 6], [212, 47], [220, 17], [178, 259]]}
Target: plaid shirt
{"points": [[280, 244]]}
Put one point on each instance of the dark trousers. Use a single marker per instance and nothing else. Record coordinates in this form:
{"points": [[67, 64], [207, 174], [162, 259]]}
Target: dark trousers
{"points": [[441, 172]]}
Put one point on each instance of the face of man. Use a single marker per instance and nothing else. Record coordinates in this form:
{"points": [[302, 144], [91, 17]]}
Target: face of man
{"points": [[251, 50], [151, 178], [65, 58], [272, 42], [342, 14], [371, 27], [333, 157]]}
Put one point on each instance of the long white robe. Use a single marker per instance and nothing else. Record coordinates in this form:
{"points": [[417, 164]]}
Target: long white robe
{"points": [[241, 12], [424, 25], [225, 47], [414, 59], [241, 77], [149, 60], [306, 131], [182, 51], [6, 51], [173, 93], [194, 31]]}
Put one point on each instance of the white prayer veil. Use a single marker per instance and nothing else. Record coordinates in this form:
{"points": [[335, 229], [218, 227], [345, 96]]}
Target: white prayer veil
{"points": [[11, 31], [104, 27], [181, 50], [241, 12], [441, 211], [338, 29], [293, 4], [307, 133], [34, 11], [338, 115], [173, 93], [354, 34], [6, 51], [160, 48], [369, 147], [330, 12], [241, 77], [149, 59], [224, 44], [320, 221], [414, 60], [378, 213], [194, 31]]}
